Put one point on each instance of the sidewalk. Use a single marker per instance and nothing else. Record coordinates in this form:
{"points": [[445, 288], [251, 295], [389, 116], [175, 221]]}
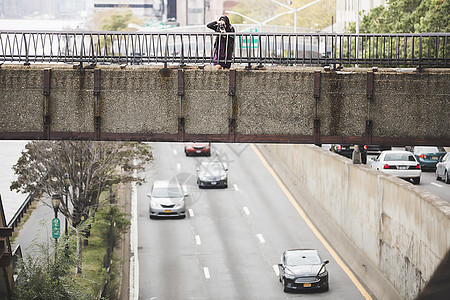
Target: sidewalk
{"points": [[37, 229]]}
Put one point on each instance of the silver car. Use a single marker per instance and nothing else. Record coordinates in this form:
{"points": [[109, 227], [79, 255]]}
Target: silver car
{"points": [[212, 174], [443, 168], [167, 200], [402, 164]]}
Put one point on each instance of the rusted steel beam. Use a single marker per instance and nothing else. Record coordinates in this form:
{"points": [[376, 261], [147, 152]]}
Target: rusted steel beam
{"points": [[224, 138], [370, 82], [46, 104], [97, 88]]}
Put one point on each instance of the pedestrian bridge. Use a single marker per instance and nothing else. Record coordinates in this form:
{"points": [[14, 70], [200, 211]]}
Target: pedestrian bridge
{"points": [[75, 86]]}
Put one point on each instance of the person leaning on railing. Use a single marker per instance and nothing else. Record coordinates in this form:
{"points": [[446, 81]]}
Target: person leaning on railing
{"points": [[223, 49]]}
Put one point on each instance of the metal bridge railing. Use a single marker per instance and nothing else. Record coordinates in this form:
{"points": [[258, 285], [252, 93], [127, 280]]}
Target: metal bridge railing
{"points": [[306, 49]]}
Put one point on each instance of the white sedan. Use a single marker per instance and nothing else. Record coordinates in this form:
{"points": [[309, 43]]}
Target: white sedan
{"points": [[402, 164]]}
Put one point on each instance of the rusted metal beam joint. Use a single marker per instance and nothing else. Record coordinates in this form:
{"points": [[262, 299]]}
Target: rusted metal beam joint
{"points": [[369, 92], [369, 131], [97, 118], [317, 78], [231, 119], [317, 131], [181, 120], [46, 103]]}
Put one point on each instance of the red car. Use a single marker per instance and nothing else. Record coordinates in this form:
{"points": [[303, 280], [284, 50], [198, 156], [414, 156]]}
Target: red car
{"points": [[197, 149]]}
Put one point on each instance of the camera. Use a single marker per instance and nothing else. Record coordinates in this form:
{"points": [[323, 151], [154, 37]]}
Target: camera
{"points": [[221, 25]]}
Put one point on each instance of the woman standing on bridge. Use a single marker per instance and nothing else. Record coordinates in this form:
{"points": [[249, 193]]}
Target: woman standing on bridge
{"points": [[223, 49]]}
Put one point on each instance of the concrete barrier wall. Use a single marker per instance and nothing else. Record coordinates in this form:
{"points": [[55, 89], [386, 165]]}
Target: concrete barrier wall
{"points": [[399, 229]]}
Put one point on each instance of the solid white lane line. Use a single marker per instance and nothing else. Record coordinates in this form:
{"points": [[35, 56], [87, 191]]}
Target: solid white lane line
{"points": [[333, 253], [236, 187], [260, 238], [206, 271], [437, 184], [198, 240], [191, 212], [246, 211], [276, 270], [175, 152], [178, 166]]}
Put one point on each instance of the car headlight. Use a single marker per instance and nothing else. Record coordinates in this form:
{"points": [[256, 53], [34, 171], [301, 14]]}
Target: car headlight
{"points": [[181, 204], [323, 273], [289, 274], [224, 177], [154, 204], [202, 178]]}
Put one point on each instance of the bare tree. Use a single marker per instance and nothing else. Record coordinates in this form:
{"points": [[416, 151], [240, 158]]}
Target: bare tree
{"points": [[80, 170]]}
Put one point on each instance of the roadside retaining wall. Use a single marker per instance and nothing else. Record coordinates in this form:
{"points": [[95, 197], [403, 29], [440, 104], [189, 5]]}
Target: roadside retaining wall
{"points": [[392, 234]]}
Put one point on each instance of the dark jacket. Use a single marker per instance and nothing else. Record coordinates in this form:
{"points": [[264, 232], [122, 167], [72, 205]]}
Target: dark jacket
{"points": [[229, 28]]}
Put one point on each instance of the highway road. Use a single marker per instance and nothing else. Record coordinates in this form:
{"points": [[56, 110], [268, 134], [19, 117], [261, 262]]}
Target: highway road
{"points": [[230, 243]]}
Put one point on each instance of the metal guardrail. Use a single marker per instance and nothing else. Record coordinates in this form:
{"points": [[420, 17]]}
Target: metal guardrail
{"points": [[15, 221], [306, 49]]}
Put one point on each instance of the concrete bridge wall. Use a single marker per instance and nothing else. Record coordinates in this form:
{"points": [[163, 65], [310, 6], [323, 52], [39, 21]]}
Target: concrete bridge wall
{"points": [[278, 104], [392, 234]]}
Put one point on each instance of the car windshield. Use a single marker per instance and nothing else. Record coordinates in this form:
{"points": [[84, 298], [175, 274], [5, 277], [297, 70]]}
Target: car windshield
{"points": [[429, 149], [296, 259], [167, 192], [211, 167], [399, 157]]}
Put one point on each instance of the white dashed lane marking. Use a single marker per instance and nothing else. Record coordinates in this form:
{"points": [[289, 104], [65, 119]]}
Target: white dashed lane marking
{"points": [[236, 188], [198, 240], [246, 211], [191, 212], [436, 184], [276, 270], [260, 238], [206, 272]]}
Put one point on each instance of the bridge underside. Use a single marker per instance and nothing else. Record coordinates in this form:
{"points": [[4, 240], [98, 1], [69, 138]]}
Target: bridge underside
{"points": [[273, 105]]}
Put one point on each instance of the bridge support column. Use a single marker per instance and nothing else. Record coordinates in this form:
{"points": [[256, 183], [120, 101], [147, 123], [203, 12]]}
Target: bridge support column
{"points": [[46, 104]]}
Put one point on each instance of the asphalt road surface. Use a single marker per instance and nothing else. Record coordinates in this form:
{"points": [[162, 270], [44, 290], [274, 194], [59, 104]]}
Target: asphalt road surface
{"points": [[230, 243]]}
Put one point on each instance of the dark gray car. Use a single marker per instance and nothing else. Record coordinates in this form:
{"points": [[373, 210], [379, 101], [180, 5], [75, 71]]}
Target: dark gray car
{"points": [[212, 174], [303, 269]]}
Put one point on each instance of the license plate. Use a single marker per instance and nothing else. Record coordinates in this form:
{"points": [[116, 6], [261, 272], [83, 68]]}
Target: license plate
{"points": [[402, 167], [213, 182], [307, 285], [434, 158], [198, 151], [168, 211]]}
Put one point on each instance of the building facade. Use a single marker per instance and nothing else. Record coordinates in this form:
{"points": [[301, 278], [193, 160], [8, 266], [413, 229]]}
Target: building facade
{"points": [[347, 11]]}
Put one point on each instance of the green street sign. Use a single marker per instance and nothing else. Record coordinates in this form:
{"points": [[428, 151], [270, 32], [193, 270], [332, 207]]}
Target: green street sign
{"points": [[56, 228], [246, 42]]}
